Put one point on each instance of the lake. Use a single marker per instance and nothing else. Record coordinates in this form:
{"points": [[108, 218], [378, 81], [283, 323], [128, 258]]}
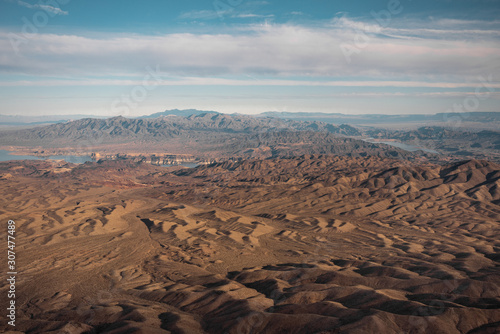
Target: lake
{"points": [[6, 156], [403, 146], [76, 159]]}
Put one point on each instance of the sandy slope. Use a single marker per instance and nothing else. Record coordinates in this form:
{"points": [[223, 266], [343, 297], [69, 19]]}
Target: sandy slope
{"points": [[315, 244]]}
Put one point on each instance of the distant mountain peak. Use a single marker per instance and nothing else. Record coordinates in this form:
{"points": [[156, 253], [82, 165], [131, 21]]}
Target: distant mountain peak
{"points": [[178, 112]]}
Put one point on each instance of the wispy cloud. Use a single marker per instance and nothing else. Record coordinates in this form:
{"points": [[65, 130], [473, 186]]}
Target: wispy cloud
{"points": [[211, 15], [408, 29], [489, 95], [248, 15], [204, 81], [228, 9], [258, 3], [47, 8], [199, 14]]}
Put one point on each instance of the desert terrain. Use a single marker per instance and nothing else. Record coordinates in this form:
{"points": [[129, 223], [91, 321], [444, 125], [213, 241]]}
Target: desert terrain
{"points": [[303, 244], [249, 167]]}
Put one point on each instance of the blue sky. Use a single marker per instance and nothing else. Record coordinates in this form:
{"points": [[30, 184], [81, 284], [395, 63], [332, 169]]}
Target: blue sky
{"points": [[139, 57]]}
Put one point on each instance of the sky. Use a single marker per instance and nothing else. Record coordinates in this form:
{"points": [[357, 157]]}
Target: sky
{"points": [[133, 58]]}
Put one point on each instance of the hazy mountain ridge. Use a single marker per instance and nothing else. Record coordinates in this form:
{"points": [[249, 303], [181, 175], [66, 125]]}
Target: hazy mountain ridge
{"points": [[249, 136], [177, 112], [166, 127], [483, 144], [436, 132], [14, 120], [205, 136], [336, 118], [452, 118]]}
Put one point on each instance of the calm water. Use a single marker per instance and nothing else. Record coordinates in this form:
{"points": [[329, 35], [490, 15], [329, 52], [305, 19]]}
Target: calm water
{"points": [[406, 147], [6, 156]]}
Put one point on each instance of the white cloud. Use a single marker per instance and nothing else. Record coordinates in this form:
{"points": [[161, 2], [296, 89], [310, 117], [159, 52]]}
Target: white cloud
{"points": [[267, 50], [47, 8], [54, 10]]}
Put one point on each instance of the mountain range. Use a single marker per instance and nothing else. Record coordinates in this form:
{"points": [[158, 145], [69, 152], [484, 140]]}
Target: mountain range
{"points": [[212, 134], [336, 118], [163, 127], [452, 118], [205, 135]]}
